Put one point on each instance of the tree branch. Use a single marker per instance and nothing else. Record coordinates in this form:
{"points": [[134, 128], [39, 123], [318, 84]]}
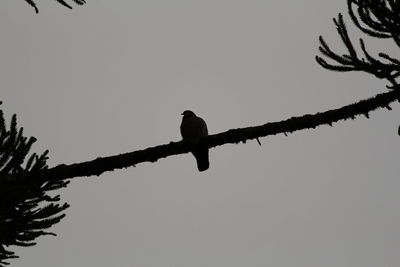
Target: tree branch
{"points": [[376, 18], [352, 62], [234, 136], [61, 2], [26, 208]]}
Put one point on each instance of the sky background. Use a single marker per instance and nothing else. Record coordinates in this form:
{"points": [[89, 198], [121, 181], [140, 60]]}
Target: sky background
{"points": [[114, 76]]}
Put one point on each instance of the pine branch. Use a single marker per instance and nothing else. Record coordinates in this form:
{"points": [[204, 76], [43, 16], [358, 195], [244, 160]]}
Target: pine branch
{"points": [[351, 61], [24, 212], [234, 136], [376, 18], [61, 2]]}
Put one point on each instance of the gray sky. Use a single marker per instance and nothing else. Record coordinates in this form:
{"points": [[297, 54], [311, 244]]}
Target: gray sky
{"points": [[113, 77]]}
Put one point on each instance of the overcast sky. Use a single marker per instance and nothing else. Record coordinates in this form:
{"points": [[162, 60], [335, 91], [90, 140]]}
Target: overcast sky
{"points": [[114, 76]]}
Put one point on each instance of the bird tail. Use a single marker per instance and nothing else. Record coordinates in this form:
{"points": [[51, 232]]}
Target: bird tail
{"points": [[201, 156]]}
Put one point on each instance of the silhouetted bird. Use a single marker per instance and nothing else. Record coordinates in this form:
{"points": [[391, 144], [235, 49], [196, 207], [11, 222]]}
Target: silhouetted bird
{"points": [[193, 127]]}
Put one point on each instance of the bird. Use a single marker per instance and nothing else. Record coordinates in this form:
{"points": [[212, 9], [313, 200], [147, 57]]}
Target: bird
{"points": [[192, 128]]}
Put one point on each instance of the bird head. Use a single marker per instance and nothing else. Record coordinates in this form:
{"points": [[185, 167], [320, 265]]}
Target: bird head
{"points": [[188, 113]]}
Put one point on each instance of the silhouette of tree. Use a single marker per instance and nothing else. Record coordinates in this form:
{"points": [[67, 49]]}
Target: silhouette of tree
{"points": [[62, 2], [24, 212]]}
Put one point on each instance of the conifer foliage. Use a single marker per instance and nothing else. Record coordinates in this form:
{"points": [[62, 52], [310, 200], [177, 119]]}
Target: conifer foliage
{"points": [[26, 208], [376, 18], [62, 2]]}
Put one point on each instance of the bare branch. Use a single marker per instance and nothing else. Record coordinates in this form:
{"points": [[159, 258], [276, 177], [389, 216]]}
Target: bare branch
{"points": [[234, 136]]}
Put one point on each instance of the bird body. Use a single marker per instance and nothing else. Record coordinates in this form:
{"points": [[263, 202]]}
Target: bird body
{"points": [[192, 128]]}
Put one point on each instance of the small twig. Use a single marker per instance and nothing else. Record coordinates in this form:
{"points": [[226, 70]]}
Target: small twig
{"points": [[258, 141]]}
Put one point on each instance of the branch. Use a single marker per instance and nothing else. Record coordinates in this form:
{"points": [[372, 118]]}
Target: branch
{"points": [[388, 70], [376, 18], [62, 2], [26, 209], [234, 136]]}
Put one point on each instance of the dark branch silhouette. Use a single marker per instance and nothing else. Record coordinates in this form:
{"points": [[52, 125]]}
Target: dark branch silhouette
{"points": [[233, 136], [389, 70], [62, 2], [376, 18], [27, 210]]}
